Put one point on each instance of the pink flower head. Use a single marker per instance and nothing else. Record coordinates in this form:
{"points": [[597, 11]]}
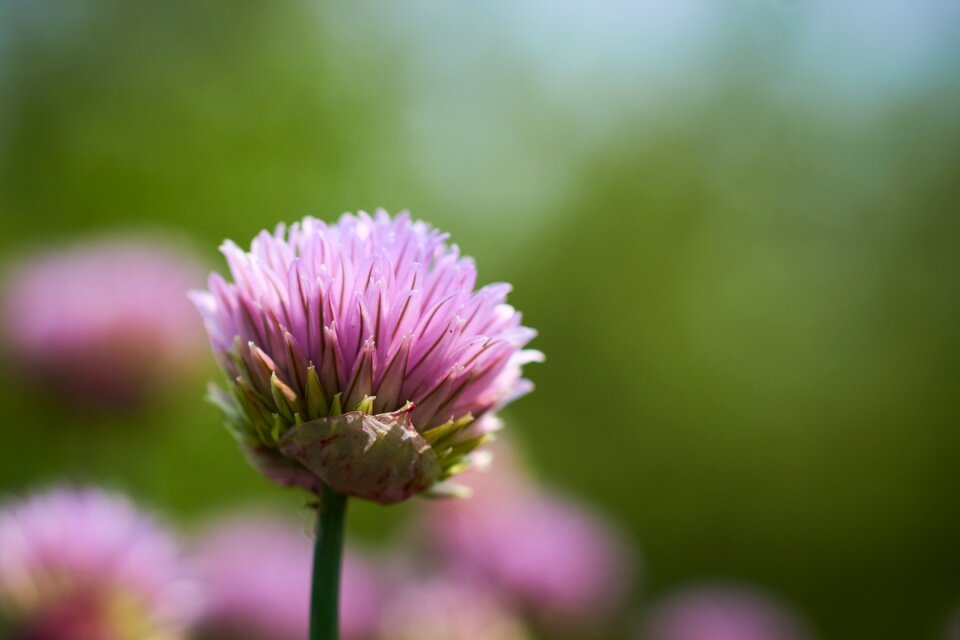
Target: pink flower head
{"points": [[565, 564], [722, 613], [445, 609], [358, 354], [86, 565], [256, 572], [105, 321]]}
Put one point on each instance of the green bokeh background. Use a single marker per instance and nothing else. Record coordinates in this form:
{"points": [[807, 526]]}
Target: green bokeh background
{"points": [[740, 245]]}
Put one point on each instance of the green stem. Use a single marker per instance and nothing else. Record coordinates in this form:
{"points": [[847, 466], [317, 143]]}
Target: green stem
{"points": [[327, 558]]}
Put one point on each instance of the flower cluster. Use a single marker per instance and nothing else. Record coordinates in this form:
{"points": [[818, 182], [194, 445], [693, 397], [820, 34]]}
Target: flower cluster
{"points": [[259, 596], [86, 565], [476, 569], [361, 355], [361, 358]]}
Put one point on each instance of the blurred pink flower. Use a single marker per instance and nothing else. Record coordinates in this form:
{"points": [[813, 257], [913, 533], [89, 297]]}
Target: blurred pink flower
{"points": [[103, 322], [720, 612], [446, 609], [256, 572], [369, 337], [86, 565], [564, 563]]}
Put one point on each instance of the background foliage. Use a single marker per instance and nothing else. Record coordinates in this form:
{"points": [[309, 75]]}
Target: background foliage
{"points": [[736, 230]]}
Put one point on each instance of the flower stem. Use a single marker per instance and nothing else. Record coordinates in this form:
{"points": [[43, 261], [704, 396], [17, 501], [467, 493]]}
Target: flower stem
{"points": [[327, 558]]}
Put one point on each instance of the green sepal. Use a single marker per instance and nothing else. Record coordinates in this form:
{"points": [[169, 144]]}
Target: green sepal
{"points": [[365, 405], [458, 450], [335, 407], [440, 436], [279, 428], [284, 397], [317, 406]]}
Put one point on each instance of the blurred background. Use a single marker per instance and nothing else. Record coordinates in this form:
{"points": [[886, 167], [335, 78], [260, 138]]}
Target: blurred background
{"points": [[734, 225]]}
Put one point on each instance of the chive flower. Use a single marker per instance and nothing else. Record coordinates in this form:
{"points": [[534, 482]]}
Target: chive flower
{"points": [[360, 355], [102, 322], [722, 612], [445, 608], [255, 595], [83, 564], [567, 567]]}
